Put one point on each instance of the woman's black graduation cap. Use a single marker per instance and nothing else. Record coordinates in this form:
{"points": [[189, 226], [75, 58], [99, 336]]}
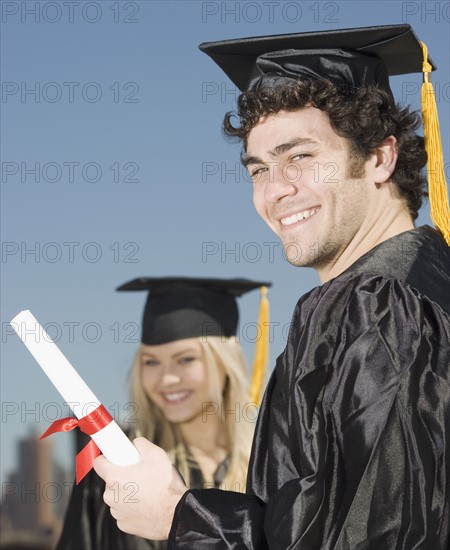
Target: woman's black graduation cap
{"points": [[186, 307], [351, 58]]}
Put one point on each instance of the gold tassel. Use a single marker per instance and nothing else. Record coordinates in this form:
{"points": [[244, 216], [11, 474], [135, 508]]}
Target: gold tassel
{"points": [[262, 349], [437, 186]]}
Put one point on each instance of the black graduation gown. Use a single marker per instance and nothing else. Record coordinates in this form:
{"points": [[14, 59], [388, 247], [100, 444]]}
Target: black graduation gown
{"points": [[352, 444], [88, 524]]}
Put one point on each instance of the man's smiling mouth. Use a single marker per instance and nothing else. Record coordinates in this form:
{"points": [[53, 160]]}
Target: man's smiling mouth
{"points": [[299, 216]]}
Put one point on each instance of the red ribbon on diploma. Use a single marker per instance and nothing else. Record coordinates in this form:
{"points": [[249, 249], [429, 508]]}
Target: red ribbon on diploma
{"points": [[90, 425]]}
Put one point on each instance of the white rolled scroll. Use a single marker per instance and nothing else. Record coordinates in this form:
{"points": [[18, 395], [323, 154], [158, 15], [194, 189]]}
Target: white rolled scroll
{"points": [[111, 440]]}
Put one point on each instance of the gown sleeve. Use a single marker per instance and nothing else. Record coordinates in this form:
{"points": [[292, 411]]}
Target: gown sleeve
{"points": [[351, 450], [84, 516]]}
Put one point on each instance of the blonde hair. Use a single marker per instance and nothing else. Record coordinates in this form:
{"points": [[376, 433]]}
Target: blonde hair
{"points": [[231, 403]]}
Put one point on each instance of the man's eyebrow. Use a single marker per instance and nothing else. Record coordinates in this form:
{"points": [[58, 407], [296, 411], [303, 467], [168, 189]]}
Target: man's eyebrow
{"points": [[246, 160], [278, 150], [284, 147]]}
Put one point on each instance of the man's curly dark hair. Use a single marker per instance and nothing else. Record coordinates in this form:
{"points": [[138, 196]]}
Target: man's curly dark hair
{"points": [[365, 116]]}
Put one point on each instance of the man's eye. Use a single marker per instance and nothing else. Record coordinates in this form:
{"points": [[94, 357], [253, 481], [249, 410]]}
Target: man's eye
{"points": [[300, 156], [258, 171]]}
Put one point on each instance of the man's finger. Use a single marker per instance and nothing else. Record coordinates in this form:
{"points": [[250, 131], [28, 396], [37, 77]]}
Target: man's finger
{"points": [[100, 466], [147, 449]]}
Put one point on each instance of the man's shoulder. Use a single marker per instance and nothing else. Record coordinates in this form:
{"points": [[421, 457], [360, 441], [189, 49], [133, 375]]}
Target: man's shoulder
{"points": [[415, 262], [418, 259], [366, 320], [360, 290]]}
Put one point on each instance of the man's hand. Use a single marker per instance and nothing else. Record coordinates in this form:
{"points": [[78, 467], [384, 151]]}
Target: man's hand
{"points": [[143, 496]]}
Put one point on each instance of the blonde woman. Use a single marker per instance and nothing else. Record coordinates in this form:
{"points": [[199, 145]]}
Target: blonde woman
{"points": [[190, 387]]}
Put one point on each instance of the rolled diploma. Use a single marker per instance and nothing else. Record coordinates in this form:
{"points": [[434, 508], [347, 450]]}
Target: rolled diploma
{"points": [[111, 440]]}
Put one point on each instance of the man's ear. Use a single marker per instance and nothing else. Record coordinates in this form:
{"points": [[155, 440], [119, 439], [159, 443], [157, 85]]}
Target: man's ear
{"points": [[385, 159]]}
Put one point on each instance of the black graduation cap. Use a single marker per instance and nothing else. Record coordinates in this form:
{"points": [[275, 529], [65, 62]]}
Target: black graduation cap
{"points": [[348, 57], [186, 307]]}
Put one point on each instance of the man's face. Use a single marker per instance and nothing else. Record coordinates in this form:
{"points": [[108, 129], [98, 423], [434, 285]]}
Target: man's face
{"points": [[302, 189]]}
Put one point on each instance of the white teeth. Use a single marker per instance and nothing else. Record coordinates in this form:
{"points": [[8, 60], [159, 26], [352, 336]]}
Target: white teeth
{"points": [[176, 396], [299, 216]]}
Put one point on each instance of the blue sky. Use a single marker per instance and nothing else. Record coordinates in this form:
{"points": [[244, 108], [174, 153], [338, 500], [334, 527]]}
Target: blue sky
{"points": [[114, 166]]}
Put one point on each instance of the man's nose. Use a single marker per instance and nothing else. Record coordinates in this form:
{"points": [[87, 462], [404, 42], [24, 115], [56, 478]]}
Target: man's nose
{"points": [[283, 181]]}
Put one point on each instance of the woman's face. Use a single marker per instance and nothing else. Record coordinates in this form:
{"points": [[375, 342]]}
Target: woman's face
{"points": [[175, 377]]}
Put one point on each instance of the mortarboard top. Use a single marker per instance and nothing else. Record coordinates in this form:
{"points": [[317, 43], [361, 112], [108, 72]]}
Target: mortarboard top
{"points": [[186, 307], [349, 57]]}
